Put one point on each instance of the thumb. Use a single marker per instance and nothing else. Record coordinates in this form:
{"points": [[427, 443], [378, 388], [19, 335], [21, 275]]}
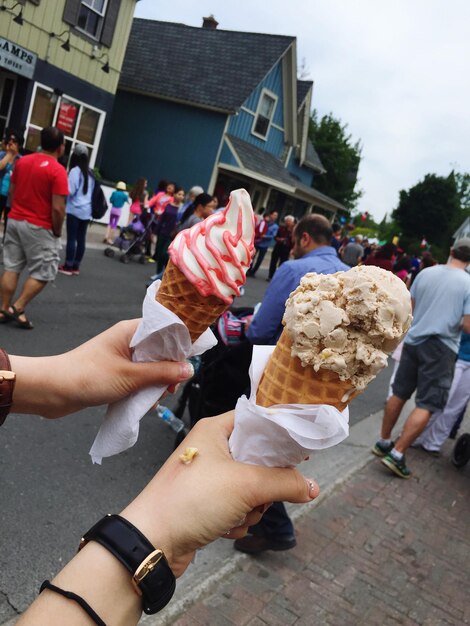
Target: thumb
{"points": [[160, 373], [274, 484]]}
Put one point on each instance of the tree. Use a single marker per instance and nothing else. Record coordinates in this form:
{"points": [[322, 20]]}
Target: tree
{"points": [[429, 209], [340, 158]]}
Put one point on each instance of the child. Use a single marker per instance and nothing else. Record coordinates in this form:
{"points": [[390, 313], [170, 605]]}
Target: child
{"points": [[118, 199]]}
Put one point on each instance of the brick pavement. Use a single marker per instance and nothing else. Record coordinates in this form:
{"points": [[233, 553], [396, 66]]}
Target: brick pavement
{"points": [[378, 550]]}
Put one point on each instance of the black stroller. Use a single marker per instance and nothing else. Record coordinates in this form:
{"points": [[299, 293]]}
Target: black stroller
{"points": [[222, 376], [132, 239]]}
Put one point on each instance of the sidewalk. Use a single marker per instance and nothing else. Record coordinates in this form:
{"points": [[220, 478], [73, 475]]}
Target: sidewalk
{"points": [[374, 550]]}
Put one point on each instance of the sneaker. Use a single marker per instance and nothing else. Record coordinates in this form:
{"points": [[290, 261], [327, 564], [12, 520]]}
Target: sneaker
{"points": [[76, 272], [397, 467], [381, 449], [64, 270]]}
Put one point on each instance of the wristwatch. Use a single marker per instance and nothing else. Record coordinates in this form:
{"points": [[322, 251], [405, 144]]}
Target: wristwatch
{"points": [[152, 577], [7, 385]]}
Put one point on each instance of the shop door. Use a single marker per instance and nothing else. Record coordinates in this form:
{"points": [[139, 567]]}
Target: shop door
{"points": [[7, 92]]}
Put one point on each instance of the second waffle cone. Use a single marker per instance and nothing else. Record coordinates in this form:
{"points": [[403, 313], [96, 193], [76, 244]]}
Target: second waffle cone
{"points": [[286, 381], [178, 295]]}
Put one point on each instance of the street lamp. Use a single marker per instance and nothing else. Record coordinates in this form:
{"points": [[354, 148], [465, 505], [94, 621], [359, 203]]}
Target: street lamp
{"points": [[105, 67], [66, 44]]}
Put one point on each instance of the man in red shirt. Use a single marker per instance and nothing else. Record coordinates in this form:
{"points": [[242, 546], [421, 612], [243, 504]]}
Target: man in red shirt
{"points": [[38, 189]]}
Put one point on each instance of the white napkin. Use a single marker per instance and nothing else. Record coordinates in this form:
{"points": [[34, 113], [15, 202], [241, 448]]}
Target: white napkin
{"points": [[160, 336], [283, 435]]}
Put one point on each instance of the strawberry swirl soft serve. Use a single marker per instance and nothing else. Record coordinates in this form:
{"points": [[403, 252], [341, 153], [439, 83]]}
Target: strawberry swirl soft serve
{"points": [[216, 253]]}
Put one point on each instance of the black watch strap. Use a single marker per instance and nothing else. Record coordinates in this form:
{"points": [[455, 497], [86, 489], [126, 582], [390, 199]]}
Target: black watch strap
{"points": [[151, 575]]}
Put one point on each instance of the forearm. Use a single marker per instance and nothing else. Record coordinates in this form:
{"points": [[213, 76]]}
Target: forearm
{"points": [[58, 216], [100, 579], [40, 387]]}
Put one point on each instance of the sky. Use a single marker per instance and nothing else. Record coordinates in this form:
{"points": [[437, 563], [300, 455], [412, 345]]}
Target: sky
{"points": [[397, 73]]}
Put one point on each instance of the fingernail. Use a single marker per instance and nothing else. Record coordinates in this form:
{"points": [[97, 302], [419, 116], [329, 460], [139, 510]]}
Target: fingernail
{"points": [[312, 488], [186, 370]]}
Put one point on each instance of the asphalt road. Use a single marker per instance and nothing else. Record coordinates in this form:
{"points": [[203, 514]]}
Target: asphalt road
{"points": [[50, 493]]}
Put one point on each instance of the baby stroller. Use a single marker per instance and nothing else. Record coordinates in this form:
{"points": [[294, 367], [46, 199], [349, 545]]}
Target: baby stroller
{"points": [[222, 376], [132, 239]]}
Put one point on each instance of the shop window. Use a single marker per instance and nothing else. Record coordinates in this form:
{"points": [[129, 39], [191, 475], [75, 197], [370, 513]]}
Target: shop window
{"points": [[44, 107], [88, 125], [80, 123], [264, 115], [33, 140]]}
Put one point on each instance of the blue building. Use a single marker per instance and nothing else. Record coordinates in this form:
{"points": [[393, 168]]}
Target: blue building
{"points": [[216, 108]]}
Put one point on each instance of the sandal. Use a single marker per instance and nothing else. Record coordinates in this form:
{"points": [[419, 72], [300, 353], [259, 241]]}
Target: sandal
{"points": [[16, 316], [6, 316]]}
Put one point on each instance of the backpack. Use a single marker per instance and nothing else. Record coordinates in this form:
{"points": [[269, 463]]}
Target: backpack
{"points": [[99, 205]]}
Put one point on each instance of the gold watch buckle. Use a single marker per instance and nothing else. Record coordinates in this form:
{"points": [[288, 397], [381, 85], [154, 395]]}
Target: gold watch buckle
{"points": [[7, 375], [147, 565]]}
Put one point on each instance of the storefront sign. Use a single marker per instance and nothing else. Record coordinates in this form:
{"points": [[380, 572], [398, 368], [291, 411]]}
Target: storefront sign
{"points": [[17, 59], [66, 117]]}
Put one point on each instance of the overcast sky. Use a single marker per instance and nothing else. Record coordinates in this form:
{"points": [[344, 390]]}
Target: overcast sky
{"points": [[398, 73]]}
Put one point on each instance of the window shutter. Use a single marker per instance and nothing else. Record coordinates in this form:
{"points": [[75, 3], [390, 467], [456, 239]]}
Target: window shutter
{"points": [[110, 20], [71, 11]]}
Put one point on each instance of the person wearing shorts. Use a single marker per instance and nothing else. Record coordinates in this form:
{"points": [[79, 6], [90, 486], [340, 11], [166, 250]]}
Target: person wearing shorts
{"points": [[441, 310], [38, 189]]}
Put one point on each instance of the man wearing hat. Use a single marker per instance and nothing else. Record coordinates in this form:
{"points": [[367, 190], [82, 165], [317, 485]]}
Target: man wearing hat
{"points": [[441, 311], [38, 189]]}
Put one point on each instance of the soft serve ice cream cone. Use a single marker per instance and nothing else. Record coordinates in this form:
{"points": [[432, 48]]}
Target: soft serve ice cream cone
{"points": [[208, 264], [338, 331]]}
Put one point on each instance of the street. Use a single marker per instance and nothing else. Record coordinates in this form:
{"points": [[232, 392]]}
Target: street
{"points": [[50, 491]]}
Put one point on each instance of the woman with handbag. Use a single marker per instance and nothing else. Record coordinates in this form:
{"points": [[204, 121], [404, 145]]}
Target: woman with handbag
{"points": [[78, 209]]}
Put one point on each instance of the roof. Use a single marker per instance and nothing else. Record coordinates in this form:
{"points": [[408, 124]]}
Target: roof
{"points": [[312, 158], [206, 67], [463, 230], [265, 164], [303, 87]]}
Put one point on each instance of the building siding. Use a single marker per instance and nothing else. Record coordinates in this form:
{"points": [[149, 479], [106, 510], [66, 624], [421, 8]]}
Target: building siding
{"points": [[242, 123], [227, 157], [41, 20], [161, 139], [304, 174]]}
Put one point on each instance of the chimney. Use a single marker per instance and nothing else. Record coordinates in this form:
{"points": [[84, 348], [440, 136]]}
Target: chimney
{"points": [[209, 22]]}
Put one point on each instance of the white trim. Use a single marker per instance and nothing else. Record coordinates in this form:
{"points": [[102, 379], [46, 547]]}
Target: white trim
{"points": [[250, 112], [295, 192], [274, 97], [243, 108], [234, 152], [289, 152], [258, 177], [213, 178], [99, 128]]}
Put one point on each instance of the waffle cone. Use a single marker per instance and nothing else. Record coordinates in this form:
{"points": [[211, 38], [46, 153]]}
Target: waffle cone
{"points": [[178, 295], [286, 381]]}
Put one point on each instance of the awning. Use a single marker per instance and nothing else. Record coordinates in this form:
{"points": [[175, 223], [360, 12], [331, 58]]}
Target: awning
{"points": [[266, 168]]}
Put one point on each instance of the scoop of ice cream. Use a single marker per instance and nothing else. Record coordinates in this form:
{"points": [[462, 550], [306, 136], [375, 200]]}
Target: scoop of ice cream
{"points": [[347, 322], [216, 253]]}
